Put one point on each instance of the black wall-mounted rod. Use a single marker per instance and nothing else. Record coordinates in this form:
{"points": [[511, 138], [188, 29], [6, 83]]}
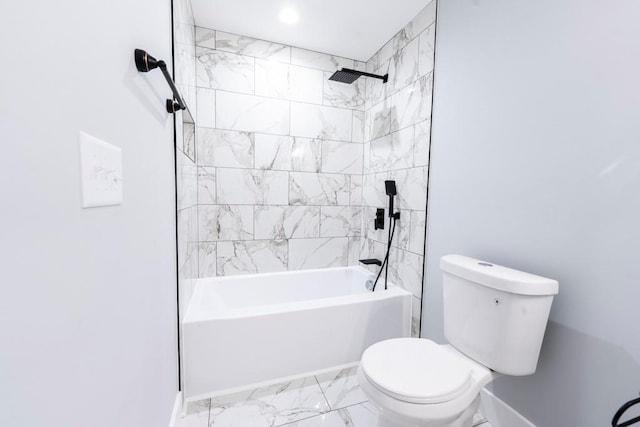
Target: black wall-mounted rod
{"points": [[146, 63]]}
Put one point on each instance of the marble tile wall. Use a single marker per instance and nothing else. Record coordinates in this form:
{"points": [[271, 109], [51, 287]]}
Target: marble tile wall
{"points": [[290, 166], [397, 125], [186, 169], [279, 157]]}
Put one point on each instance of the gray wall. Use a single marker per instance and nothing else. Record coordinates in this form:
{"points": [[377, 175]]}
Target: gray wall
{"points": [[87, 296], [536, 165]]}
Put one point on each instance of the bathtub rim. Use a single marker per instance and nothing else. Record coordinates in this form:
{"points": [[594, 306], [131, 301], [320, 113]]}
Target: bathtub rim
{"points": [[194, 315]]}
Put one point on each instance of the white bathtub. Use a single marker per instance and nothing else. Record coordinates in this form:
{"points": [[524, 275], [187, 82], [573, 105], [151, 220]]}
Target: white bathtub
{"points": [[247, 331]]}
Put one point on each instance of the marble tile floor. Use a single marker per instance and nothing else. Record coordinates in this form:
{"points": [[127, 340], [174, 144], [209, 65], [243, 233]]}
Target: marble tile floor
{"points": [[328, 400]]}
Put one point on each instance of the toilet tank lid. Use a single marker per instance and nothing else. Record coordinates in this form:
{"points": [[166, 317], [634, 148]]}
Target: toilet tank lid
{"points": [[497, 277]]}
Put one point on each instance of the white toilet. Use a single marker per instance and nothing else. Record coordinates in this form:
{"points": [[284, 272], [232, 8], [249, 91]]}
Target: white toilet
{"points": [[494, 320]]}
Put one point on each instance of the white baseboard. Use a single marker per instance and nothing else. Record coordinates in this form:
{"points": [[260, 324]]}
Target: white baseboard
{"points": [[498, 413], [173, 422]]}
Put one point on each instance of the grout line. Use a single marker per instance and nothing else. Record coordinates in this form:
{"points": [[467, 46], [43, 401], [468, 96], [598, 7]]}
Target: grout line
{"points": [[315, 377]]}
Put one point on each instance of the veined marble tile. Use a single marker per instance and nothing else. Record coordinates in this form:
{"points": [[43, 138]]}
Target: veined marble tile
{"points": [[206, 105], [189, 95], [251, 113], [381, 56], [412, 104], [286, 222], [206, 185], [307, 254], [188, 261], [189, 140], [340, 221], [341, 157], [276, 152], [205, 37], [360, 65], [421, 143], [412, 188], [225, 71], [197, 415], [424, 19], [252, 256], [320, 61], [269, 406], [355, 247], [416, 314], [402, 233], [278, 80], [305, 85], [355, 190], [187, 181], [273, 152], [225, 222], [225, 148], [272, 79], [252, 47], [401, 39], [376, 89], [357, 131], [305, 155], [188, 224], [341, 388], [185, 71], [316, 121], [337, 94], [403, 69], [380, 120], [416, 239], [427, 41], [373, 190], [318, 189], [207, 259], [362, 415], [252, 187], [393, 151], [478, 419], [405, 270]]}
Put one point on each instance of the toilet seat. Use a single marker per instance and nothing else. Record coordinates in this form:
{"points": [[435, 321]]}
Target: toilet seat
{"points": [[415, 370]]}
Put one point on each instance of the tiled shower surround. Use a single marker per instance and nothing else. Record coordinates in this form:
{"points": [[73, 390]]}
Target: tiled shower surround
{"points": [[291, 166], [186, 176]]}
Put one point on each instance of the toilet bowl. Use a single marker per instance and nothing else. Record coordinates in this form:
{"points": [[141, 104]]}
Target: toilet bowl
{"points": [[494, 321], [416, 382]]}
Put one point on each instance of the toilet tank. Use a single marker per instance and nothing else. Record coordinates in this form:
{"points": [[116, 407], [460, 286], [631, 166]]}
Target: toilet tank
{"points": [[495, 315]]}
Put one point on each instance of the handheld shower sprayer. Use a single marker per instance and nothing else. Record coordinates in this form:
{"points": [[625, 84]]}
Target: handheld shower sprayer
{"points": [[390, 187]]}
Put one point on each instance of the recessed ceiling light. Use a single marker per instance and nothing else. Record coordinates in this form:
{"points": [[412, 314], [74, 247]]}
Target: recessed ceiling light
{"points": [[288, 16]]}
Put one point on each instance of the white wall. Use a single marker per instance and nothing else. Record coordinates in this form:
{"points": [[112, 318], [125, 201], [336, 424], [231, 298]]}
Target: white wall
{"points": [[535, 165], [87, 297]]}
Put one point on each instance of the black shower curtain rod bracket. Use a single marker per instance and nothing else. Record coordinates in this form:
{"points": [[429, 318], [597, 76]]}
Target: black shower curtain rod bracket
{"points": [[146, 63]]}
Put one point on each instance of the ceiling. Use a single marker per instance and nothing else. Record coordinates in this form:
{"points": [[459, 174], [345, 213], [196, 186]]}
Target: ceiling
{"points": [[354, 29]]}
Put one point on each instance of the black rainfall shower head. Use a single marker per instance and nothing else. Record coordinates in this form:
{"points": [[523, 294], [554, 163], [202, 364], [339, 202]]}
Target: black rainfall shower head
{"points": [[145, 62], [344, 76], [349, 76]]}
